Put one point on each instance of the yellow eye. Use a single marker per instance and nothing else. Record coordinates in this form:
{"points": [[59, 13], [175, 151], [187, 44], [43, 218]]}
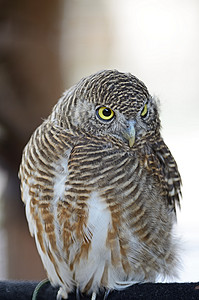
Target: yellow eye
{"points": [[144, 111], [105, 113]]}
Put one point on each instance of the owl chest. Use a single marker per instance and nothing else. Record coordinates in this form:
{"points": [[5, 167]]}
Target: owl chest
{"points": [[101, 194], [96, 207], [128, 196], [117, 179]]}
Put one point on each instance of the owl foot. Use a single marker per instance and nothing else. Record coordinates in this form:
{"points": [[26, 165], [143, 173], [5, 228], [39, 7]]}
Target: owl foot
{"points": [[62, 294], [94, 295], [78, 293], [106, 294]]}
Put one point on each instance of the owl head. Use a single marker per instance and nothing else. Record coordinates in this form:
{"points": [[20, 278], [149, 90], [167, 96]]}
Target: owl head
{"points": [[109, 104]]}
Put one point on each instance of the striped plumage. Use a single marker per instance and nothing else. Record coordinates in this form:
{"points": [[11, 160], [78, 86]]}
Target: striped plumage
{"points": [[100, 194]]}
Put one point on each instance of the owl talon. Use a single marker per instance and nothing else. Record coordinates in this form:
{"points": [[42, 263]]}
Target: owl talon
{"points": [[106, 294], [62, 294], [77, 293]]}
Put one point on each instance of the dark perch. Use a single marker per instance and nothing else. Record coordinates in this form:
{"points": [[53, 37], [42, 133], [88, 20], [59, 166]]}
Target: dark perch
{"points": [[19, 290]]}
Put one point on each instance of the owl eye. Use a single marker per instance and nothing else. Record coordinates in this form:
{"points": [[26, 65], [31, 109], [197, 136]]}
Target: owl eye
{"points": [[144, 111], [104, 113]]}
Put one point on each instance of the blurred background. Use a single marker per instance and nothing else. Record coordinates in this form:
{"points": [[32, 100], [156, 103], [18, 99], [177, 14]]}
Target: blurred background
{"points": [[47, 46]]}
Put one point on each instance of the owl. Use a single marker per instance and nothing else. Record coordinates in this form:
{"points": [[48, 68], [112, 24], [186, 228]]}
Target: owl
{"points": [[101, 187]]}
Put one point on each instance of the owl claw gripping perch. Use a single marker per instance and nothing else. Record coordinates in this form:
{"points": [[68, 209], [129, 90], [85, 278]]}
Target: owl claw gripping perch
{"points": [[100, 188]]}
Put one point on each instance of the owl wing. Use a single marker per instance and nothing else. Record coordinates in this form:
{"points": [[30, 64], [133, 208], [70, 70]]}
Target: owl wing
{"points": [[169, 176], [43, 173]]}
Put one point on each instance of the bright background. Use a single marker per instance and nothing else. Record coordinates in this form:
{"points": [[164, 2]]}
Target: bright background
{"points": [[158, 41]]}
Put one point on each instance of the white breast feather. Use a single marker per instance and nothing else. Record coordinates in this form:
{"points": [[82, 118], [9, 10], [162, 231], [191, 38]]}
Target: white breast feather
{"points": [[61, 167], [99, 221]]}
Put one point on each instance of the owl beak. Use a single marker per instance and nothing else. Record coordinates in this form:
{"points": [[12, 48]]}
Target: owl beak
{"points": [[129, 133]]}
